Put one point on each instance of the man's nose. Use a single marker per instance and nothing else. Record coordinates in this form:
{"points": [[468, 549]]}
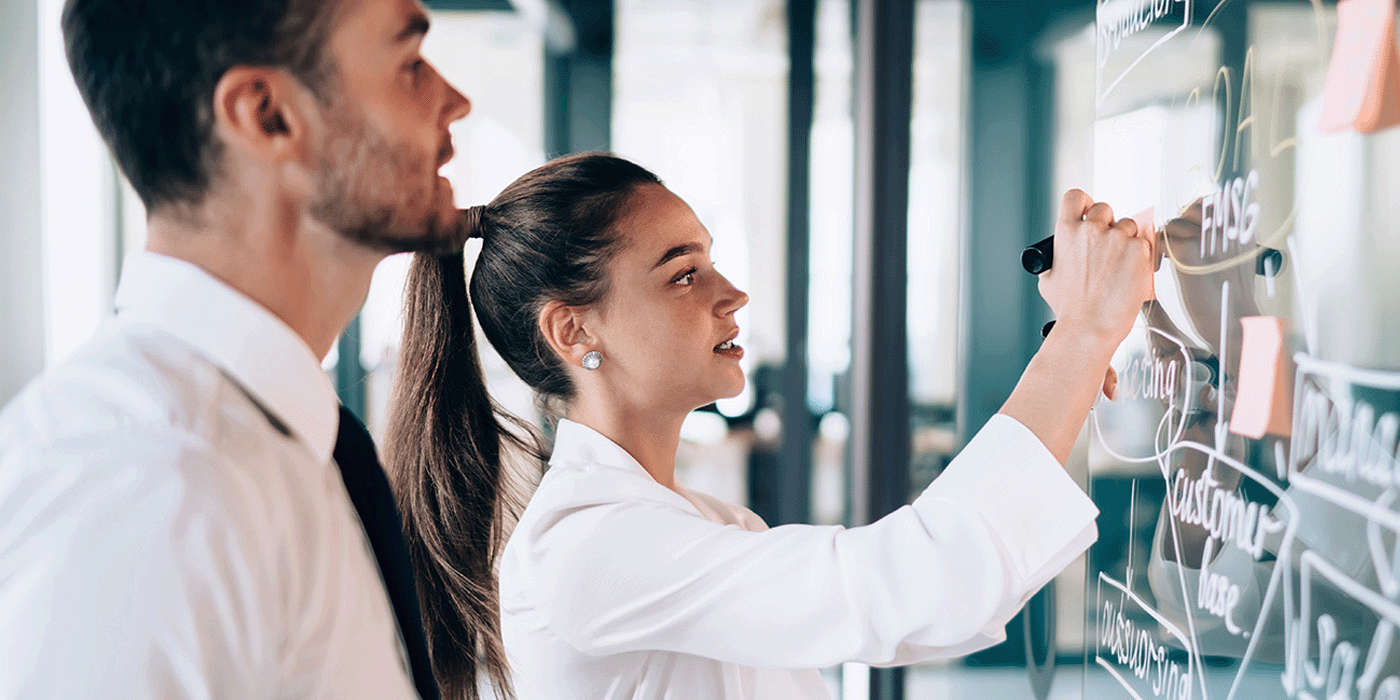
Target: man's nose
{"points": [[458, 105]]}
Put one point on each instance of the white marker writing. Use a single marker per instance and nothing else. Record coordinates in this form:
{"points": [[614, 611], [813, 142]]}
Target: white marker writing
{"points": [[1222, 513], [1229, 215], [1347, 438], [1149, 378], [1135, 649], [1334, 672], [1215, 594], [1120, 19]]}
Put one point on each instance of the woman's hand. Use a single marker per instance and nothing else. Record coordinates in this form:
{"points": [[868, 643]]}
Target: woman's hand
{"points": [[1102, 272]]}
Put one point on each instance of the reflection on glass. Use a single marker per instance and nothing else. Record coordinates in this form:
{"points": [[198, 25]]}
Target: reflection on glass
{"points": [[1247, 473]]}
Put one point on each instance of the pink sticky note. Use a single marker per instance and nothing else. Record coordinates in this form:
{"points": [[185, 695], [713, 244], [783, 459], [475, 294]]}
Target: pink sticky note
{"points": [[1264, 399], [1362, 87], [1145, 221]]}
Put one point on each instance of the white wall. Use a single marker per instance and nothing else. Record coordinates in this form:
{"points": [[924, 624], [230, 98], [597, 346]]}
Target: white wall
{"points": [[21, 302], [78, 188], [57, 189]]}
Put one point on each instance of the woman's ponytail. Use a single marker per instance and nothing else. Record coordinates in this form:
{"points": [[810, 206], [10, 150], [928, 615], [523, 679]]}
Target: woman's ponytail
{"points": [[445, 461], [548, 236]]}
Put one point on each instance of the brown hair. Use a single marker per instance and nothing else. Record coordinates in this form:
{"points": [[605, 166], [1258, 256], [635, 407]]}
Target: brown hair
{"points": [[548, 236], [147, 70]]}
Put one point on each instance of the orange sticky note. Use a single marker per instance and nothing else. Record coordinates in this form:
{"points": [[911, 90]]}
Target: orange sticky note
{"points": [[1362, 87], [1145, 221], [1264, 400], [1147, 226]]}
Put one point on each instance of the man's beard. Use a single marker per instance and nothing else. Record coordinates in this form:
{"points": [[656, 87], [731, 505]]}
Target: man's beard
{"points": [[364, 192]]}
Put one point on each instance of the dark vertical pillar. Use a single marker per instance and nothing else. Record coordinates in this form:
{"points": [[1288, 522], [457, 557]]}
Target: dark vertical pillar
{"points": [[794, 475], [1041, 205], [996, 327], [880, 439], [350, 373], [1008, 129], [1037, 623], [578, 82]]}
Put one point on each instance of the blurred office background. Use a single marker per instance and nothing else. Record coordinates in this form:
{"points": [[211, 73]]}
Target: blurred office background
{"points": [[869, 169]]}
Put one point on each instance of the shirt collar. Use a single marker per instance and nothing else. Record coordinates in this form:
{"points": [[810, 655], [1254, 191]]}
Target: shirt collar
{"points": [[576, 443], [240, 336]]}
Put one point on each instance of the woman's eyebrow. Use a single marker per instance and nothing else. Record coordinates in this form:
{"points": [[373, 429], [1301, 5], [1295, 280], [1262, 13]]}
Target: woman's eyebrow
{"points": [[678, 251]]}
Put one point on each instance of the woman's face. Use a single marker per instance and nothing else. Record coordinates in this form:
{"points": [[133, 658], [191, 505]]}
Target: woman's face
{"points": [[666, 327]]}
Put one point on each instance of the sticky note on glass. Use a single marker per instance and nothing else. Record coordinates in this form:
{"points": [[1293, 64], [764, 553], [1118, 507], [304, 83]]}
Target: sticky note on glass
{"points": [[1362, 87], [1264, 390], [1147, 226]]}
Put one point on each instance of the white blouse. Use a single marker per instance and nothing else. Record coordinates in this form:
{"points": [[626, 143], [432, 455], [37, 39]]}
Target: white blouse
{"points": [[613, 586]]}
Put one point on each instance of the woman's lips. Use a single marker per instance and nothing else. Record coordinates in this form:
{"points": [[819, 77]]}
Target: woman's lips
{"points": [[729, 349]]}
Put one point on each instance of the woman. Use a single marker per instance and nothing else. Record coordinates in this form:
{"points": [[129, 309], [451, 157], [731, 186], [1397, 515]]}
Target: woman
{"points": [[594, 283]]}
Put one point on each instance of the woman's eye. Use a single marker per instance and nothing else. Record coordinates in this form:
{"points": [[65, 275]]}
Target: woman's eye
{"points": [[686, 278], [416, 69]]}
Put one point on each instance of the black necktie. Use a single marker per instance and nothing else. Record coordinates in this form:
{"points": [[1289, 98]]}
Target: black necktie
{"points": [[369, 492]]}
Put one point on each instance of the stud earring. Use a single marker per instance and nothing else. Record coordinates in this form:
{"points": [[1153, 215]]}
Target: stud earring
{"points": [[592, 359]]}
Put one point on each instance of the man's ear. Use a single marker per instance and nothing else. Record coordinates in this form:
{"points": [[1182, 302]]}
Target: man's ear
{"points": [[564, 328], [260, 111]]}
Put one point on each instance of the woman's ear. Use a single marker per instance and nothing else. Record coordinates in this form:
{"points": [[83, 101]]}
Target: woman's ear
{"points": [[257, 111], [564, 328]]}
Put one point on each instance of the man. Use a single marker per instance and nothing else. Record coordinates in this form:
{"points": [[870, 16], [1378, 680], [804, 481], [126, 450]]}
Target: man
{"points": [[172, 523]]}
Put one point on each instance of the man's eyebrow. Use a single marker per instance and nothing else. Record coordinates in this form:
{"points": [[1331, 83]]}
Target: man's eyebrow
{"points": [[676, 252], [417, 26]]}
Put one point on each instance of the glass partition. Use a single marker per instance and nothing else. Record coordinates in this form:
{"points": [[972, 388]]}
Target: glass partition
{"points": [[1246, 469]]}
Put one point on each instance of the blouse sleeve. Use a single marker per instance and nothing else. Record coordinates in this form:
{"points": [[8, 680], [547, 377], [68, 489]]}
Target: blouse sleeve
{"points": [[936, 578]]}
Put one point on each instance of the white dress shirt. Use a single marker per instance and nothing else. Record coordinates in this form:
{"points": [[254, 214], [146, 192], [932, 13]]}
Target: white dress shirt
{"points": [[171, 522], [613, 586]]}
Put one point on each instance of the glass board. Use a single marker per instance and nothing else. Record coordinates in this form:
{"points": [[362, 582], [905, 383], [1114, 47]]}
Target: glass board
{"points": [[1247, 469]]}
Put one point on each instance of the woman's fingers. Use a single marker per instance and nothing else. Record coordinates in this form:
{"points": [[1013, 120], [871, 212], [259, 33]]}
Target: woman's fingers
{"points": [[1127, 227], [1100, 212], [1074, 206], [1102, 278], [1145, 241]]}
